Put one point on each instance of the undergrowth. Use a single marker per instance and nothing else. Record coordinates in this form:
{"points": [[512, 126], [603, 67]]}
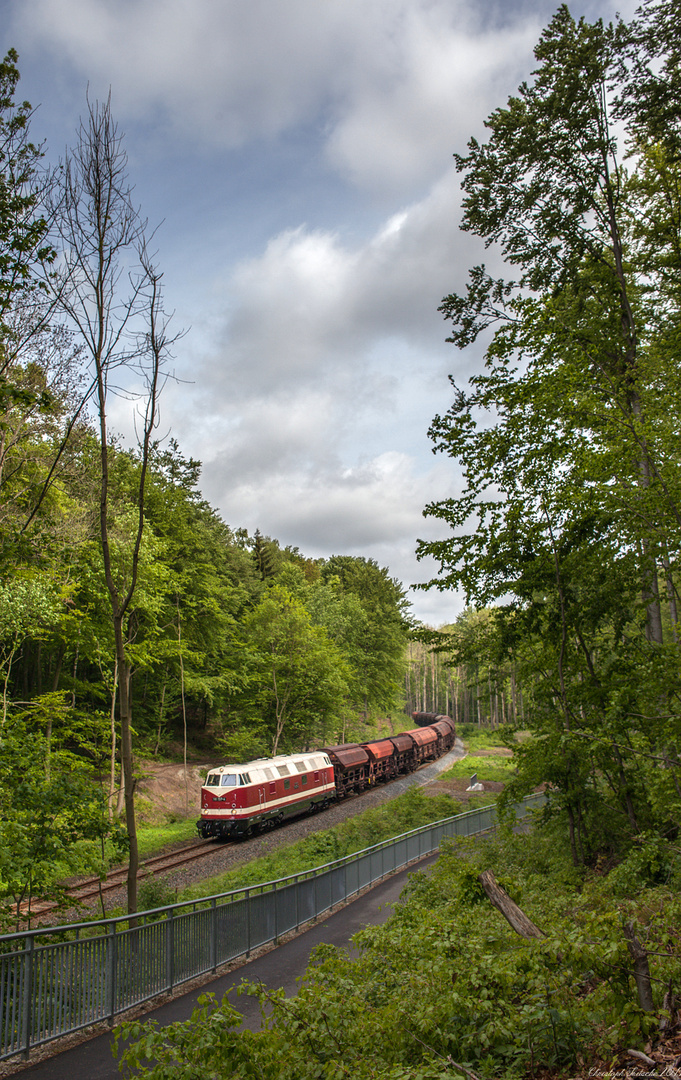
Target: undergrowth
{"points": [[154, 838]]}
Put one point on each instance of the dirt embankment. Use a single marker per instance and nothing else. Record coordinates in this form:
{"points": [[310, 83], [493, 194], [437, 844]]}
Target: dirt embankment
{"points": [[166, 791]]}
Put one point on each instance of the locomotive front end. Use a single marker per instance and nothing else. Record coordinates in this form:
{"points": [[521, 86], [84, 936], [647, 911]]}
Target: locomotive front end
{"points": [[224, 803]]}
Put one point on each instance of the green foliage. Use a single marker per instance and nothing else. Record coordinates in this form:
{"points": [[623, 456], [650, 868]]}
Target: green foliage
{"points": [[652, 861], [476, 737], [298, 674], [23, 229], [377, 637], [569, 514], [155, 893], [48, 799], [244, 745], [446, 982]]}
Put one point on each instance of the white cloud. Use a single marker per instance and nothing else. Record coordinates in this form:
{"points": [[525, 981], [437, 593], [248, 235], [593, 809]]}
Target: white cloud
{"points": [[312, 311], [373, 510], [311, 409], [398, 127], [227, 71], [390, 86]]}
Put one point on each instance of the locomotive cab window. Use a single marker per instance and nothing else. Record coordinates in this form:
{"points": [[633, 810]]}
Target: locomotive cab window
{"points": [[304, 778], [229, 780], [287, 784]]}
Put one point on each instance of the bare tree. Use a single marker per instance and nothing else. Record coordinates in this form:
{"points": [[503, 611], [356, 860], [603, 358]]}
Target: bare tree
{"points": [[110, 290]]}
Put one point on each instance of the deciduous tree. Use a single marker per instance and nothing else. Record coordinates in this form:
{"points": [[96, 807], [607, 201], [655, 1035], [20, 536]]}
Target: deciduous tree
{"points": [[568, 441], [110, 291]]}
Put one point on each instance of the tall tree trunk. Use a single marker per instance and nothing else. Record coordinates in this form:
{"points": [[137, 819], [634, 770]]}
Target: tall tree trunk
{"points": [[184, 708], [112, 754], [75, 671], [671, 597], [161, 711], [127, 762], [57, 671]]}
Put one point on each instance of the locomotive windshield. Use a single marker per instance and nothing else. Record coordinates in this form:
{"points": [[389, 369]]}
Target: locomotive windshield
{"points": [[222, 780]]}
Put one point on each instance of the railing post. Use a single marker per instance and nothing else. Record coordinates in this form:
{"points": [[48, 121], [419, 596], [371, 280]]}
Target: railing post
{"points": [[214, 936], [276, 916], [248, 920], [170, 950], [297, 904], [110, 974], [27, 1001]]}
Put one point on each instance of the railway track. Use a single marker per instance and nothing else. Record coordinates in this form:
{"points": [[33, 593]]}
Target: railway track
{"points": [[94, 887], [85, 890]]}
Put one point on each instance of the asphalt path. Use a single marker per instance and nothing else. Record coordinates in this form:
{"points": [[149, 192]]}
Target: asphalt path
{"points": [[280, 967]]}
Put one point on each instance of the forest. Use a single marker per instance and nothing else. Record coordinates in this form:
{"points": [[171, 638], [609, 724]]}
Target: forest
{"points": [[132, 615], [565, 537], [133, 621]]}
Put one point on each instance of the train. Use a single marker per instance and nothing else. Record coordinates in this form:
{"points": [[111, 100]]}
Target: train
{"points": [[240, 800]]}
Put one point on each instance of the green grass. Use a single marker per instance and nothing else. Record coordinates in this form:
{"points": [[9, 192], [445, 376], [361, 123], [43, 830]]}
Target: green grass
{"points": [[475, 737], [408, 811], [488, 768], [154, 838]]}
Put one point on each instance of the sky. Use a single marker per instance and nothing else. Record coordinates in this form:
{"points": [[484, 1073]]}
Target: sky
{"points": [[297, 158]]}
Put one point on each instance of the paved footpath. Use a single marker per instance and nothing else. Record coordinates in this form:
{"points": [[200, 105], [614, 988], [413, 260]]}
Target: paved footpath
{"points": [[281, 967]]}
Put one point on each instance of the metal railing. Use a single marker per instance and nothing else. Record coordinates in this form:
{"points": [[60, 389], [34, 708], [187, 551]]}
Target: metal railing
{"points": [[57, 980]]}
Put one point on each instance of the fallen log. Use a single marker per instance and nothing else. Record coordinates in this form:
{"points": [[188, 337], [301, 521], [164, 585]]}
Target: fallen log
{"points": [[508, 908]]}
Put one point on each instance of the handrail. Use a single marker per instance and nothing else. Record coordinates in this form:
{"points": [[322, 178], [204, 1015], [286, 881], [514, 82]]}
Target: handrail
{"points": [[243, 889], [119, 966]]}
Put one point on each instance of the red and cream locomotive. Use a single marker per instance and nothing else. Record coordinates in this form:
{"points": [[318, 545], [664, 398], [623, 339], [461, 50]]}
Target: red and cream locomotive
{"points": [[237, 800]]}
